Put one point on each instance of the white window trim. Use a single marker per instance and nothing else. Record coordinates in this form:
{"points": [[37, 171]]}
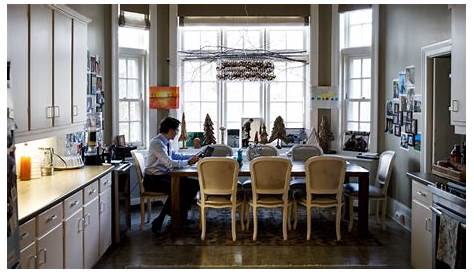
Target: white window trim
{"points": [[142, 56], [373, 138]]}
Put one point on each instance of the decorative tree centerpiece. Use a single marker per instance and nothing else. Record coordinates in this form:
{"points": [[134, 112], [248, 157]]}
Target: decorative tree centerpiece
{"points": [[263, 134], [184, 134], [325, 135], [209, 131], [278, 132]]}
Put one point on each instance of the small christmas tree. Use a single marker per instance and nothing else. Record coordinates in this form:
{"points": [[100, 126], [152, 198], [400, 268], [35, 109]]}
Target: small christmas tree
{"points": [[325, 135], [263, 134], [209, 131], [255, 140], [184, 135], [278, 131]]}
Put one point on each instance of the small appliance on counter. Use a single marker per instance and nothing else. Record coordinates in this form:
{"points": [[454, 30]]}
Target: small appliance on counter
{"points": [[92, 154], [47, 161], [454, 168]]}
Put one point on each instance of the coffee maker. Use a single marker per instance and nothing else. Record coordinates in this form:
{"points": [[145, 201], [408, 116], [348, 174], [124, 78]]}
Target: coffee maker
{"points": [[92, 154]]}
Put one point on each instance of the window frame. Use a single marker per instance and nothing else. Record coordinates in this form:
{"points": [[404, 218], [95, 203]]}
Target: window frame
{"points": [[141, 56]]}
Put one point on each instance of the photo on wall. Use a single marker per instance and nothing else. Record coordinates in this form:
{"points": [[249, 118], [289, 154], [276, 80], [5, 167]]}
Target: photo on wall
{"points": [[295, 136], [410, 98], [401, 83], [417, 104], [233, 137], [389, 125], [410, 75], [250, 131], [389, 107], [397, 130], [411, 140], [395, 88], [403, 103], [404, 141], [396, 108], [417, 146]]}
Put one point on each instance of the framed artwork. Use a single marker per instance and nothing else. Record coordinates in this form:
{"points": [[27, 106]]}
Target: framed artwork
{"points": [[396, 107], [396, 120], [404, 141], [163, 97], [403, 103], [414, 126], [408, 117], [411, 140], [250, 131], [295, 136], [389, 125], [417, 103], [397, 130], [192, 136], [402, 83], [408, 128], [410, 98], [417, 145], [410, 75], [389, 107], [400, 118], [233, 137], [395, 88]]}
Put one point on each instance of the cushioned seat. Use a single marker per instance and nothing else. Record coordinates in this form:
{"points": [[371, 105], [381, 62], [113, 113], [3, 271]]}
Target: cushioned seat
{"points": [[353, 189]]}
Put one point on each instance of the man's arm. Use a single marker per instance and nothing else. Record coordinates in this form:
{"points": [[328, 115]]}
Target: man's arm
{"points": [[163, 159]]}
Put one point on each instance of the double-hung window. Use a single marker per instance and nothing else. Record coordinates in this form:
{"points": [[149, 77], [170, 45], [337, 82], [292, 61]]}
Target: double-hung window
{"points": [[355, 43]]}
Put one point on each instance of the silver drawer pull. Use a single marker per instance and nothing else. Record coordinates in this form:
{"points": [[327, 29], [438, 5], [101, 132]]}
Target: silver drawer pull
{"points": [[101, 207], [34, 257], [80, 224], [52, 218], [75, 203], [45, 256], [74, 110], [25, 235], [92, 191], [421, 193]]}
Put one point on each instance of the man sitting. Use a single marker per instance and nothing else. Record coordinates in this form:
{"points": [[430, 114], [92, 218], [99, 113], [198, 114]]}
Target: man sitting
{"points": [[161, 160]]}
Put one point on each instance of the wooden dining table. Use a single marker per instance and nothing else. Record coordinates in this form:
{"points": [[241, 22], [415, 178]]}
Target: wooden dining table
{"points": [[297, 170]]}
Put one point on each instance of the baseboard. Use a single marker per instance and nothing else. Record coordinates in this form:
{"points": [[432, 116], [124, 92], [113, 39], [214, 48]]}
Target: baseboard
{"points": [[399, 213]]}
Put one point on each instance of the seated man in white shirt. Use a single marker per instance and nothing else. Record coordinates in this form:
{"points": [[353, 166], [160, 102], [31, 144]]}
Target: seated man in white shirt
{"points": [[161, 160]]}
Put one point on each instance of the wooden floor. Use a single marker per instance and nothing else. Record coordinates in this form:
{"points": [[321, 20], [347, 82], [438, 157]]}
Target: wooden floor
{"points": [[140, 250]]}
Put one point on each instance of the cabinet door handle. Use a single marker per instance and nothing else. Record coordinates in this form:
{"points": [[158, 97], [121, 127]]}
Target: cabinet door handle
{"points": [[92, 191], [421, 193], [88, 216], [74, 110], [34, 257], [45, 256], [430, 224], [101, 207], [73, 204], [49, 112], [52, 218], [24, 235], [454, 106], [80, 224], [57, 112]]}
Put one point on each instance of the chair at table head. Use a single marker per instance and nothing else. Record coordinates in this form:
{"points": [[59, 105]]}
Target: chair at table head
{"points": [[304, 152], [220, 150], [261, 150]]}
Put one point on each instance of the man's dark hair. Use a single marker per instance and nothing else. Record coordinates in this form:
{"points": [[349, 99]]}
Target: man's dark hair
{"points": [[169, 123]]}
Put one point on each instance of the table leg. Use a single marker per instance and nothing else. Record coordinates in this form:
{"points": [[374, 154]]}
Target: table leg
{"points": [[175, 203], [363, 208]]}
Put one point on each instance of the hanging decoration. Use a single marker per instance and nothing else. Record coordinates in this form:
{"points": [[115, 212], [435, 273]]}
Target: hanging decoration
{"points": [[246, 70]]}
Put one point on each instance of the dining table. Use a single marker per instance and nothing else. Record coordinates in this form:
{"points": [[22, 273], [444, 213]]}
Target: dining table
{"points": [[297, 170]]}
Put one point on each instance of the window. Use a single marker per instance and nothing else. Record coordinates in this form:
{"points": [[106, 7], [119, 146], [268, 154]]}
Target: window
{"points": [[227, 102], [356, 62], [132, 84]]}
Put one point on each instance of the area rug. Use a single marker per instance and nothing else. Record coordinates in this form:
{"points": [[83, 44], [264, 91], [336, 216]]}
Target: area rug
{"points": [[218, 231]]}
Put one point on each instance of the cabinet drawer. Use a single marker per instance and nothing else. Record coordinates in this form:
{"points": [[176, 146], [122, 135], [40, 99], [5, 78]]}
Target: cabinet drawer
{"points": [[28, 257], [72, 204], [105, 182], [27, 233], [91, 192], [49, 219], [421, 193]]}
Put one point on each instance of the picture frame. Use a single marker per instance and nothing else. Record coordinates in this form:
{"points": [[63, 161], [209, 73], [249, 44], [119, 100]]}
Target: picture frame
{"points": [[402, 83], [404, 141], [395, 88], [396, 119], [408, 128], [396, 107], [400, 118], [410, 75], [417, 104], [414, 126], [403, 103], [389, 124], [389, 108], [410, 98], [295, 136], [411, 140], [408, 116], [233, 138], [417, 145], [248, 131], [397, 130]]}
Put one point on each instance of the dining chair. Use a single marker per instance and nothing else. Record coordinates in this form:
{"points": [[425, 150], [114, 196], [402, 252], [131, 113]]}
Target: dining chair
{"points": [[145, 196], [377, 192], [269, 178], [324, 185], [218, 188], [220, 150]]}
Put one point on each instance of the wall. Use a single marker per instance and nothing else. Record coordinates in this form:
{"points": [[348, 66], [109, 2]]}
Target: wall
{"points": [[404, 29], [99, 43]]}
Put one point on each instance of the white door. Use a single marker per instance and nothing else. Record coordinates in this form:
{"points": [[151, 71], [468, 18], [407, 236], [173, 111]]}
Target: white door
{"points": [[79, 72], [62, 69], [17, 55], [421, 236], [91, 233], [50, 249], [28, 256], [73, 241], [41, 67], [105, 216]]}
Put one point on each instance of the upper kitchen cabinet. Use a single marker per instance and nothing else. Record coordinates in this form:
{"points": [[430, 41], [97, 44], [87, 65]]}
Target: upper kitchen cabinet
{"points": [[458, 68], [79, 72], [17, 55], [41, 68], [62, 69]]}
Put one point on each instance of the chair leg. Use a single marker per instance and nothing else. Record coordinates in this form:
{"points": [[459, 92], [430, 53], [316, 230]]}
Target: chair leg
{"points": [[254, 222], [338, 222], [377, 216], [295, 214], [242, 216], [142, 213], [384, 208], [199, 223], [285, 220], [351, 212], [308, 223], [148, 211], [290, 210], [247, 225], [233, 213], [203, 222]]}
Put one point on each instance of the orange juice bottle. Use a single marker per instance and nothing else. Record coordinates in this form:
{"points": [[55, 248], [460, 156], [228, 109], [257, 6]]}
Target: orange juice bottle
{"points": [[25, 168]]}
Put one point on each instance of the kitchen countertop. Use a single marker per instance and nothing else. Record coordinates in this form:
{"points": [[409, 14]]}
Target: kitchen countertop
{"points": [[429, 178], [37, 195]]}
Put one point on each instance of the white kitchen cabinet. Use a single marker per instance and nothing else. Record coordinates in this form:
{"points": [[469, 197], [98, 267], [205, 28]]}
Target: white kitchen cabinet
{"points": [[91, 233], [28, 257], [105, 217], [79, 72], [73, 240], [62, 69], [421, 222], [41, 67], [17, 55], [458, 68], [50, 249]]}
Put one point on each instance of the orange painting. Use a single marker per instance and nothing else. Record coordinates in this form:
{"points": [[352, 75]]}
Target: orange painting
{"points": [[164, 97]]}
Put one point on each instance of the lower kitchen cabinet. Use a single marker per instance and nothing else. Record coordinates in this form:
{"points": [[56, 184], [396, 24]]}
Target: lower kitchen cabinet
{"points": [[105, 217], [421, 237], [50, 249], [73, 241], [91, 233], [28, 257]]}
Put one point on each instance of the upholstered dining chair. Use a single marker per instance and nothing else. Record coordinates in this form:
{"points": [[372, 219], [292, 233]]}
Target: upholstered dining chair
{"points": [[377, 192], [145, 196], [324, 186], [269, 178], [303, 152], [220, 150], [218, 188]]}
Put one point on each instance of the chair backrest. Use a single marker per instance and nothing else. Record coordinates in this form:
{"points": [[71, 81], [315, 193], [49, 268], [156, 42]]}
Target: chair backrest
{"points": [[304, 152], [220, 150], [261, 150], [218, 176], [139, 161], [270, 175], [384, 170], [325, 175]]}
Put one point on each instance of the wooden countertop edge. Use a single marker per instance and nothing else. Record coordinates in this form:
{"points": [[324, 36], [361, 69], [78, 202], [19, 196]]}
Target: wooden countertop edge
{"points": [[59, 199]]}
